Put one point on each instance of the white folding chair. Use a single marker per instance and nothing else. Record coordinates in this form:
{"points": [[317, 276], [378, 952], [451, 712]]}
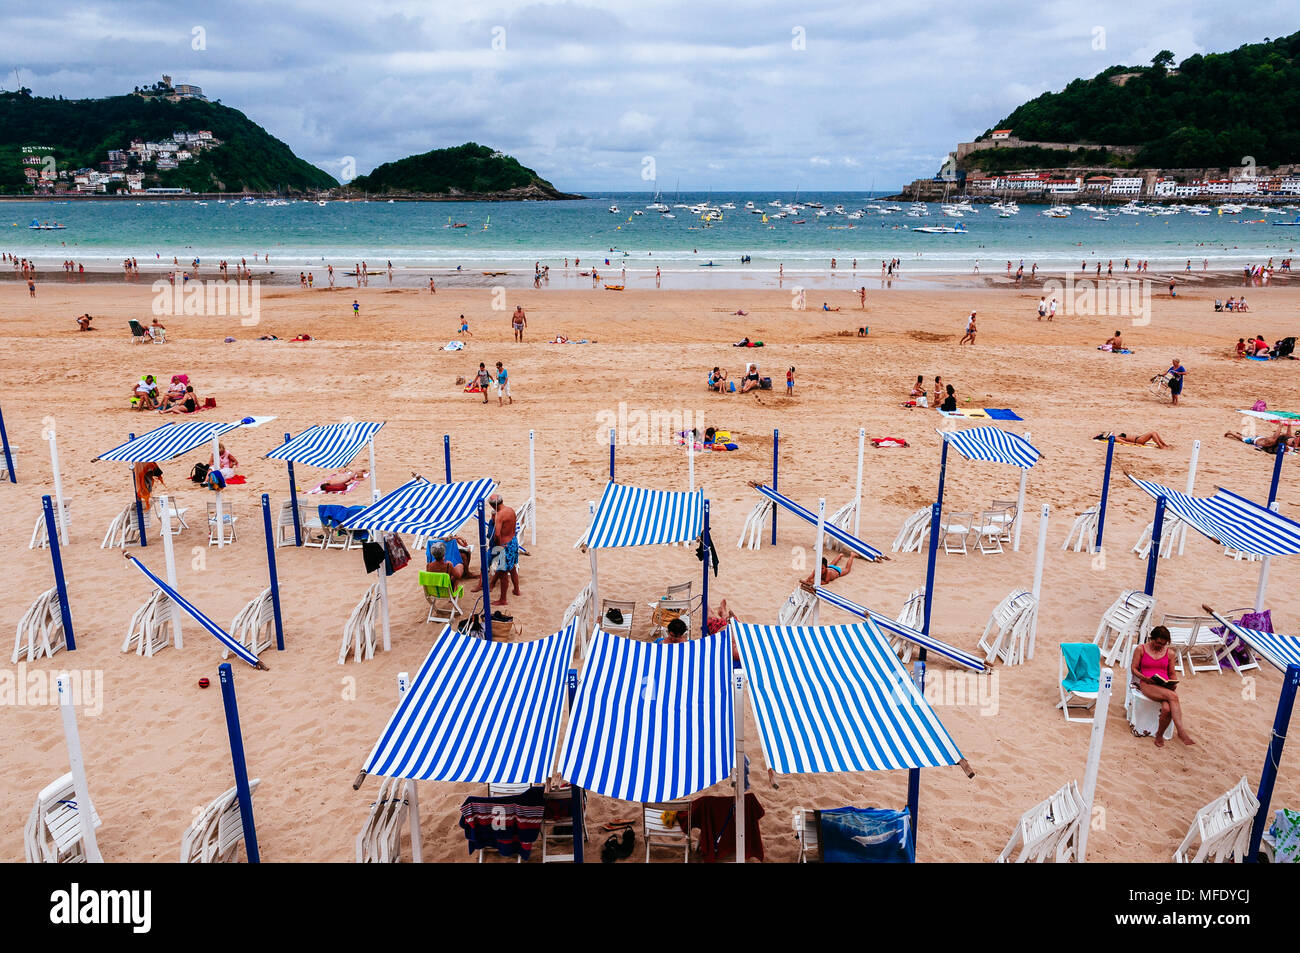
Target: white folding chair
{"points": [[807, 834], [1222, 827], [624, 610], [656, 833], [954, 530], [991, 530]]}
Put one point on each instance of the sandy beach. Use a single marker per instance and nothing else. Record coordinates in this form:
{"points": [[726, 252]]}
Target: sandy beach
{"points": [[158, 751]]}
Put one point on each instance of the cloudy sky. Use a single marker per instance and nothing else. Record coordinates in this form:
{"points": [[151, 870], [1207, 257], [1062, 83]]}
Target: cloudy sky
{"points": [[604, 95]]}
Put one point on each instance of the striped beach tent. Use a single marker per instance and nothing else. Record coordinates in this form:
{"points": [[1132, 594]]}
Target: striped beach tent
{"points": [[327, 446], [216, 631], [168, 441], [478, 711], [993, 446], [1231, 520], [1280, 650], [848, 539], [652, 722], [915, 636], [835, 698], [632, 516], [422, 508]]}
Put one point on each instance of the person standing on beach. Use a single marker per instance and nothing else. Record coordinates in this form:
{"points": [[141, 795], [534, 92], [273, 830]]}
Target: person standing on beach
{"points": [[862, 297], [1176, 372], [657, 276], [789, 382], [464, 327], [356, 308], [331, 275], [1051, 310], [518, 322], [484, 380], [432, 289], [1042, 307], [31, 288], [505, 549]]}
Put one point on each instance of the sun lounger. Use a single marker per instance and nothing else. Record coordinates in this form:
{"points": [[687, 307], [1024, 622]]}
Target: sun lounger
{"points": [[916, 530], [40, 630], [1193, 636], [1046, 830], [153, 626], [1222, 827], [380, 840], [218, 830], [1007, 632], [138, 334], [1083, 534], [1168, 537], [40, 536], [254, 625], [359, 631], [756, 523], [798, 608], [124, 529], [53, 834], [1125, 623]]}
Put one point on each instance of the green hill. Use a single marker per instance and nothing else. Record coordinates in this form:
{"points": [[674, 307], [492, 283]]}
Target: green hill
{"points": [[79, 133], [468, 171], [1211, 111]]}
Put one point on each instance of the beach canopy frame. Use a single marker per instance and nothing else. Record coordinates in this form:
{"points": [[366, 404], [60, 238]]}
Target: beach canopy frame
{"points": [[327, 446]]}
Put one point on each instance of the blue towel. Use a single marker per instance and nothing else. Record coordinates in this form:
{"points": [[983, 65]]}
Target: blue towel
{"points": [[332, 514], [1001, 413], [451, 547], [866, 835]]}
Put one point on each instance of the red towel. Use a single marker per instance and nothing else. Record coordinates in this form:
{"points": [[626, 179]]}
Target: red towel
{"points": [[713, 815]]}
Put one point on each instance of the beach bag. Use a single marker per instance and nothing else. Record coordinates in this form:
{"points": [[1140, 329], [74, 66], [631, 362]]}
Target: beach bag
{"points": [[216, 480], [1260, 405], [473, 626], [765, 383], [731, 386], [614, 615], [199, 474]]}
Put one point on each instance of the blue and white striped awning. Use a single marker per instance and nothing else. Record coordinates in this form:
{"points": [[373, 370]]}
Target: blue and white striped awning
{"points": [[328, 446], [915, 636], [216, 631], [652, 722], [848, 539], [168, 441], [631, 516], [421, 508], [992, 445], [1280, 650], [1231, 520], [835, 698], [486, 712]]}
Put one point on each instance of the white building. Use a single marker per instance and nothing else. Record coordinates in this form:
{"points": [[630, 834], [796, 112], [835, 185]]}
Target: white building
{"points": [[1164, 188], [1126, 185]]}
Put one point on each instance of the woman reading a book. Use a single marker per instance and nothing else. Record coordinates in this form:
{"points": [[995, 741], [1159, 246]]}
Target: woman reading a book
{"points": [[1153, 672]]}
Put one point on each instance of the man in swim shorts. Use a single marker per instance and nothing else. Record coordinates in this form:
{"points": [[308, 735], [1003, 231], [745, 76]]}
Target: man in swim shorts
{"points": [[518, 322], [505, 550]]}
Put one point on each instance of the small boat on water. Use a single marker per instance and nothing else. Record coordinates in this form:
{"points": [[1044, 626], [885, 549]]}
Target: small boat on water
{"points": [[495, 274], [959, 229], [613, 209], [613, 287], [46, 226]]}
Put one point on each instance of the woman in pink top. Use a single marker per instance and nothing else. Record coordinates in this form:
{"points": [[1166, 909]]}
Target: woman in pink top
{"points": [[1153, 658]]}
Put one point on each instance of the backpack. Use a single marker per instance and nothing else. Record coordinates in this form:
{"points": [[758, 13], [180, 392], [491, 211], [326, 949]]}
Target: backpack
{"points": [[199, 474]]}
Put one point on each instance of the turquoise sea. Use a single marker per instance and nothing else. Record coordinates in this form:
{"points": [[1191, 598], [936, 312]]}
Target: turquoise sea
{"points": [[512, 236]]}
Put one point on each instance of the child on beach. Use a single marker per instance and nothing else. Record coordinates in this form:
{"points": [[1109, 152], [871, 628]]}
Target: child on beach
{"points": [[464, 327], [356, 308], [484, 380], [789, 383]]}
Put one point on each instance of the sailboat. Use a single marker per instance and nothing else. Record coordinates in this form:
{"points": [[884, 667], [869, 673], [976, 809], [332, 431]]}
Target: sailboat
{"points": [[656, 205]]}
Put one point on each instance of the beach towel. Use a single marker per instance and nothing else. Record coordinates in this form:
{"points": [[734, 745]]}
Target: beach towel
{"points": [[865, 835], [886, 442], [1284, 835], [1002, 413], [455, 346], [508, 825], [473, 389], [450, 546], [1259, 621], [714, 816]]}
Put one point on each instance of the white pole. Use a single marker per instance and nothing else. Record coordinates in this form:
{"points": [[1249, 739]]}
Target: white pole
{"points": [[857, 508], [532, 488], [170, 554], [1094, 760], [412, 795], [1020, 504], [1261, 591], [383, 594], [85, 808], [817, 559], [738, 774], [216, 465], [595, 588], [58, 489], [1191, 483], [1038, 576], [374, 486], [690, 456]]}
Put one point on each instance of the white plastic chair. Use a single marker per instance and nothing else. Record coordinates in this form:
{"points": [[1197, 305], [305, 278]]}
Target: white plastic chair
{"points": [[1222, 827], [656, 833], [955, 526]]}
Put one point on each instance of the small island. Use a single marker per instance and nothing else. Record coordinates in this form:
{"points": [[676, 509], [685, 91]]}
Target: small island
{"points": [[466, 173]]}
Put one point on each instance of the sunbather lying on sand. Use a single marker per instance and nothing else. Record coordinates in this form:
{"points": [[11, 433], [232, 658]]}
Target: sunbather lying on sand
{"points": [[1148, 439], [832, 570], [1269, 444], [342, 481]]}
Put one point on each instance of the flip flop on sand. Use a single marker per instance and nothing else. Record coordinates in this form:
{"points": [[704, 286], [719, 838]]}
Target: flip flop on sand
{"points": [[618, 825]]}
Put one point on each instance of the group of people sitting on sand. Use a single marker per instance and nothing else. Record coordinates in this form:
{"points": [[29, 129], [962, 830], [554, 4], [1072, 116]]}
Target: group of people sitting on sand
{"points": [[179, 398], [1258, 347], [1232, 304], [719, 382], [944, 396]]}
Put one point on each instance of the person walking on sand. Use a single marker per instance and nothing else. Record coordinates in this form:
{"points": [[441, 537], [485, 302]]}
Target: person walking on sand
{"points": [[1042, 307], [1051, 309], [518, 322], [464, 327], [1176, 372], [969, 336], [484, 380], [503, 385], [432, 288]]}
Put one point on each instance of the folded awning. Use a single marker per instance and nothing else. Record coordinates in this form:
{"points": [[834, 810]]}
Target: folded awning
{"points": [[1230, 520], [856, 545], [328, 446], [421, 508], [915, 636]]}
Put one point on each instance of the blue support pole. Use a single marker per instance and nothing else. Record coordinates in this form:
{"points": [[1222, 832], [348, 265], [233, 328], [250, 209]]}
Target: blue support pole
{"points": [[704, 602], [1105, 488], [52, 531], [9, 457], [483, 570], [575, 792], [293, 503], [1153, 557], [776, 472], [275, 577], [935, 512], [139, 506], [446, 454], [237, 760], [611, 454], [1277, 477], [1281, 721]]}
